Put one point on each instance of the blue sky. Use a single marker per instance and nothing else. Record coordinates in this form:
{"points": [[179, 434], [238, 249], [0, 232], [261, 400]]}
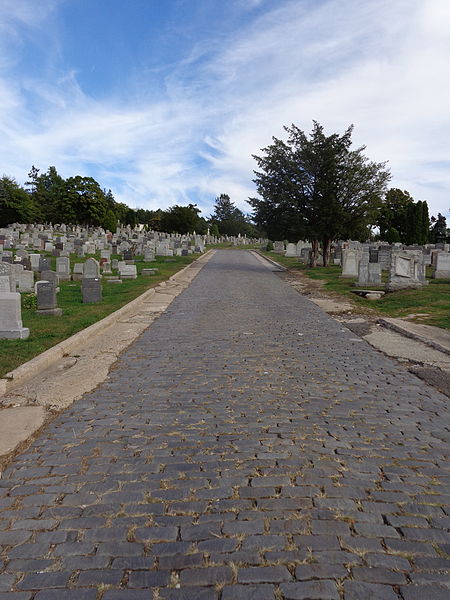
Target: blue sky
{"points": [[165, 101]]}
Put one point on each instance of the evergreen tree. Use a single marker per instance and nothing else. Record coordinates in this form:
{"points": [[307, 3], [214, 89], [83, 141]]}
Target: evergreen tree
{"points": [[16, 205], [317, 187]]}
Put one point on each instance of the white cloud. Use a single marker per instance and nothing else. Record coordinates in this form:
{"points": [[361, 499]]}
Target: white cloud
{"points": [[374, 63]]}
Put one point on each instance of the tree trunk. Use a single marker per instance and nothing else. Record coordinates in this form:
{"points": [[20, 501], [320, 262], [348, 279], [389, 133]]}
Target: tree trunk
{"points": [[314, 253], [326, 248]]}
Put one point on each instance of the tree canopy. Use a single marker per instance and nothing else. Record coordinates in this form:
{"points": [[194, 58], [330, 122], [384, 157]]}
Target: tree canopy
{"points": [[400, 219], [229, 219], [317, 188]]}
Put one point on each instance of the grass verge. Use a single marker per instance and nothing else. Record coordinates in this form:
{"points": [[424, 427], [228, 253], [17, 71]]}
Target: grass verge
{"points": [[431, 303], [47, 331]]}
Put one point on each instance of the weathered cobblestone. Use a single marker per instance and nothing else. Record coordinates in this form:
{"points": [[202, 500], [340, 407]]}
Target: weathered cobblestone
{"points": [[246, 446]]}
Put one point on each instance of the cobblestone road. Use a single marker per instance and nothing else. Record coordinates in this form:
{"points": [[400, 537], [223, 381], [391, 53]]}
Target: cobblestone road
{"points": [[247, 446]]}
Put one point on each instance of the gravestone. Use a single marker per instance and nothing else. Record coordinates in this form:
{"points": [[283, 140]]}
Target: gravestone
{"points": [[350, 262], [91, 290], [5, 284], [406, 270], [91, 269], [374, 273], [46, 299], [77, 274], [26, 281], [441, 266], [128, 271], [363, 270], [63, 268], [11, 327], [8, 281], [44, 264], [373, 255], [149, 255], [291, 250], [278, 247], [106, 270], [50, 276]]}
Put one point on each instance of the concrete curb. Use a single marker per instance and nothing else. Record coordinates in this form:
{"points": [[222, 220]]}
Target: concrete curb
{"points": [[274, 263], [431, 336], [55, 353]]}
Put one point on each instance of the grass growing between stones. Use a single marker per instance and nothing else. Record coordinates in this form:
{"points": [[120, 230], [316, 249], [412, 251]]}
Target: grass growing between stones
{"points": [[431, 302], [47, 331]]}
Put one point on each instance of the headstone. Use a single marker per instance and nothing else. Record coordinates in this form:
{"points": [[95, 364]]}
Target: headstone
{"points": [[91, 290], [291, 250], [63, 268], [51, 276], [363, 269], [77, 274], [374, 273], [26, 281], [106, 269], [442, 266], [7, 278], [91, 269], [5, 284], [44, 264], [147, 272], [11, 327], [128, 271], [149, 254], [406, 270], [46, 299], [350, 262], [278, 247]]}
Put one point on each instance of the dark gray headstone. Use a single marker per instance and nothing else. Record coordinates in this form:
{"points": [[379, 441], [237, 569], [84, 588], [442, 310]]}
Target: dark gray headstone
{"points": [[373, 255], [91, 290], [46, 299], [44, 264]]}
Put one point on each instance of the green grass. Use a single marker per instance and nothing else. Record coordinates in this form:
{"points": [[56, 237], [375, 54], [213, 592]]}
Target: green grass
{"points": [[432, 300], [46, 331]]}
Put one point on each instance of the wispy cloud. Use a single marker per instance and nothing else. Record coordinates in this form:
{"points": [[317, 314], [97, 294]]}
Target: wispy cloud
{"points": [[374, 63]]}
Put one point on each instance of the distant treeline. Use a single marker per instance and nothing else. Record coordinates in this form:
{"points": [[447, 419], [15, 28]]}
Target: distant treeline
{"points": [[281, 213], [49, 198]]}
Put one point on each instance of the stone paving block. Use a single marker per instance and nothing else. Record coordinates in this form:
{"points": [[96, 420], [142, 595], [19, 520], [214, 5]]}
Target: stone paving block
{"points": [[193, 593], [39, 581], [99, 577], [424, 592], [126, 595], [148, 579], [310, 590], [378, 575], [67, 595], [12, 538], [275, 574], [6, 582], [248, 592], [156, 534], [207, 576], [320, 571], [180, 561]]}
